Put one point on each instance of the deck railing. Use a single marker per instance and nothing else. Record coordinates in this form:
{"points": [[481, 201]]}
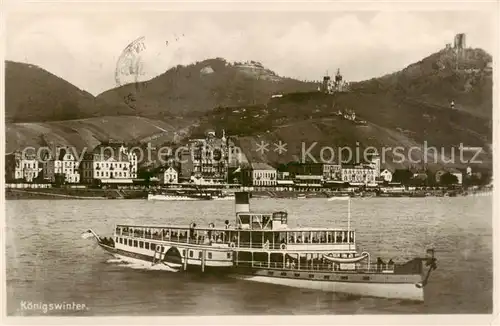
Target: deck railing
{"points": [[322, 267]]}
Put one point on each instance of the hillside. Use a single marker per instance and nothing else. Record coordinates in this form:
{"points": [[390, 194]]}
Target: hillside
{"points": [[304, 121], [88, 133], [442, 77], [32, 94], [198, 88]]}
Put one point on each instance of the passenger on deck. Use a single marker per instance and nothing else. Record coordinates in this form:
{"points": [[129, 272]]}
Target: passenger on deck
{"points": [[226, 224], [287, 264], [380, 264]]}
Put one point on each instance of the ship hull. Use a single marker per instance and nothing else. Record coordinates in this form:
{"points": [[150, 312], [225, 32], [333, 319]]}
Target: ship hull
{"points": [[178, 261], [403, 291], [382, 285], [176, 198]]}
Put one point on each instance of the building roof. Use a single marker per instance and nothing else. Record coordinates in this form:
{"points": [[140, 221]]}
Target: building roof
{"points": [[359, 166], [114, 151], [261, 166]]}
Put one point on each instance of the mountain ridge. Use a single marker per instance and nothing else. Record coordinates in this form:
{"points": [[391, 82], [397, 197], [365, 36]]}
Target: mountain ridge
{"points": [[405, 105]]}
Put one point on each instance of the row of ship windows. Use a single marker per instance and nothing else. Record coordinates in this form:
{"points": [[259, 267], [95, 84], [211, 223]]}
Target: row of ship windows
{"points": [[152, 246], [326, 277]]}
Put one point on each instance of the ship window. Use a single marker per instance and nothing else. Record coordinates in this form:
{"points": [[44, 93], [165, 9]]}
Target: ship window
{"points": [[343, 277], [141, 244], [296, 274], [191, 253], [366, 278], [121, 240], [130, 242], [228, 255], [184, 253], [311, 275], [200, 254], [245, 219], [116, 239], [209, 255], [326, 277], [283, 273], [135, 243], [153, 246], [147, 245]]}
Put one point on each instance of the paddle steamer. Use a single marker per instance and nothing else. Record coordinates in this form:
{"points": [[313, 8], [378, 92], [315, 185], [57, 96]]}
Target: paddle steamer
{"points": [[261, 247], [189, 195]]}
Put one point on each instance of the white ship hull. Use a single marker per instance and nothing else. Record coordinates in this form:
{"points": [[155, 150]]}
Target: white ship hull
{"points": [[231, 198], [403, 291], [174, 198], [164, 266]]}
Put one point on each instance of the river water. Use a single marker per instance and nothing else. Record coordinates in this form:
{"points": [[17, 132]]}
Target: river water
{"points": [[49, 263]]}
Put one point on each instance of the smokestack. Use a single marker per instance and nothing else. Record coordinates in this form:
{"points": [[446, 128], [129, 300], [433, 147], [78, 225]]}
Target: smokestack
{"points": [[242, 202]]}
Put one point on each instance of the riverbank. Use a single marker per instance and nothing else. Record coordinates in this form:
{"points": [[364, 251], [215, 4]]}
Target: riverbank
{"points": [[68, 193], [62, 193]]}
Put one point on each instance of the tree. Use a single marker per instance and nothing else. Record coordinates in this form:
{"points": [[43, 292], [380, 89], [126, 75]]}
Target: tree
{"points": [[402, 176], [448, 179]]}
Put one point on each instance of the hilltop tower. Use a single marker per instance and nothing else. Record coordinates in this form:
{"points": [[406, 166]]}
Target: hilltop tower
{"points": [[459, 47]]}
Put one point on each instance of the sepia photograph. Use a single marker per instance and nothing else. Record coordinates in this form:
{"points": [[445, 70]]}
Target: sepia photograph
{"points": [[232, 160]]}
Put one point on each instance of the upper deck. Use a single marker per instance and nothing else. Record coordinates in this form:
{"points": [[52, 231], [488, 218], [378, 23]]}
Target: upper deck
{"points": [[259, 230]]}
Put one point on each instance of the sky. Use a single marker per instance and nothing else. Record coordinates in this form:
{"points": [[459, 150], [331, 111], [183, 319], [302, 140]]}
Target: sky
{"points": [[84, 48]]}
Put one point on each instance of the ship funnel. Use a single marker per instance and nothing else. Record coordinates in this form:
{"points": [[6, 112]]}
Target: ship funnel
{"points": [[242, 202]]}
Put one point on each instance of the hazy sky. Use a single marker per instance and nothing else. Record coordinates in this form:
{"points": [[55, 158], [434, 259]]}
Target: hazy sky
{"points": [[84, 48]]}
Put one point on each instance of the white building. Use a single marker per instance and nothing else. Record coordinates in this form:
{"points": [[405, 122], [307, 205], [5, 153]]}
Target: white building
{"points": [[358, 174], [375, 164], [332, 172], [459, 176], [386, 175], [63, 163], [109, 164], [169, 176], [19, 167], [263, 174]]}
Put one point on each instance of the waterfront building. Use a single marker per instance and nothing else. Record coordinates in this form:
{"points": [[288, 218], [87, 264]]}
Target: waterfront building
{"points": [[206, 159], [62, 163], [308, 182], [21, 167], [260, 175], [169, 176], [332, 172], [358, 174], [386, 175], [374, 162], [109, 163]]}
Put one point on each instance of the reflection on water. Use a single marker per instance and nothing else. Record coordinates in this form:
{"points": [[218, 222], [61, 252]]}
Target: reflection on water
{"points": [[48, 262]]}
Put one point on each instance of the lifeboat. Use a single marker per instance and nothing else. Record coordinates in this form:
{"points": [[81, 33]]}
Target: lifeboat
{"points": [[339, 260]]}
